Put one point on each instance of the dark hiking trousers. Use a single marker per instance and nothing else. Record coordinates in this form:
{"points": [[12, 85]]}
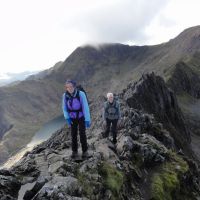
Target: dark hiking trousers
{"points": [[78, 124], [113, 129]]}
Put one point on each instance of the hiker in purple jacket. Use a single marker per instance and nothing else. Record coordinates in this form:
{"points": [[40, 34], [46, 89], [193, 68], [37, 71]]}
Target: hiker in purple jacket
{"points": [[76, 112]]}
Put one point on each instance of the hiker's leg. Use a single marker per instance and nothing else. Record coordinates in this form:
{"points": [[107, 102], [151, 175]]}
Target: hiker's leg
{"points": [[108, 123], [114, 130], [74, 132], [82, 134]]}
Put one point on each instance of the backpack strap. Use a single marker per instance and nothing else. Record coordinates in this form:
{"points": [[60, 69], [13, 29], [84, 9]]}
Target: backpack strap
{"points": [[70, 98], [109, 105], [78, 95]]}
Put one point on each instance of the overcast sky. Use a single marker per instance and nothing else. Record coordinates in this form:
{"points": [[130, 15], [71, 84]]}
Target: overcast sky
{"points": [[35, 34]]}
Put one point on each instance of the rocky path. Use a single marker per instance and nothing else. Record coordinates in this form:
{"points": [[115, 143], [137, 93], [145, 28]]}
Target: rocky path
{"points": [[145, 164]]}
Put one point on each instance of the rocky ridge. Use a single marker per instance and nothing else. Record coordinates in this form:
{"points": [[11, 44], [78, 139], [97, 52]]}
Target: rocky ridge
{"points": [[145, 163]]}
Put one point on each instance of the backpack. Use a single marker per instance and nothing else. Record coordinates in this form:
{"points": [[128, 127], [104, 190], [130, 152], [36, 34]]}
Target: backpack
{"points": [[110, 106], [80, 88]]}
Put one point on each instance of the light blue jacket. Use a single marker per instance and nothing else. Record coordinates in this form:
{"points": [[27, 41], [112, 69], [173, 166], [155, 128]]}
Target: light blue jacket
{"points": [[84, 104]]}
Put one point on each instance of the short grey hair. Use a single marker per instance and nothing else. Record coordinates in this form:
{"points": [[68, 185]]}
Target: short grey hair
{"points": [[109, 94]]}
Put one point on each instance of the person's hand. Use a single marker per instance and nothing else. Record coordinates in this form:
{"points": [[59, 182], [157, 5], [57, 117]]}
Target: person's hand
{"points": [[87, 124], [69, 122]]}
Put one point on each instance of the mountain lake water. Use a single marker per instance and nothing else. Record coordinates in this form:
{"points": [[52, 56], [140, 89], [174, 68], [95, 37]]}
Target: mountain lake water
{"points": [[40, 136]]}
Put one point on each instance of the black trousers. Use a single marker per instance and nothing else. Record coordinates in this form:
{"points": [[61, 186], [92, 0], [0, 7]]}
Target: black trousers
{"points": [[113, 129], [78, 124]]}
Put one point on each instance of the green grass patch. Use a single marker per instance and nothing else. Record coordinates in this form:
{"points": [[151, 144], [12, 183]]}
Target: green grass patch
{"points": [[113, 179], [166, 183], [86, 184]]}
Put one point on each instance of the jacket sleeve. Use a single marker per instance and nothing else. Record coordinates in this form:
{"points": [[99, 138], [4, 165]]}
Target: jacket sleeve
{"points": [[85, 106], [64, 107]]}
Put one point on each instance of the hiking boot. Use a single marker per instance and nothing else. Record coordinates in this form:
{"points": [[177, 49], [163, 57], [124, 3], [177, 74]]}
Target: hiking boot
{"points": [[74, 154], [86, 155]]}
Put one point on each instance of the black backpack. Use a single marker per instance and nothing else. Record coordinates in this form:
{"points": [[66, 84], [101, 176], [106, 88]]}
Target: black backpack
{"points": [[80, 88]]}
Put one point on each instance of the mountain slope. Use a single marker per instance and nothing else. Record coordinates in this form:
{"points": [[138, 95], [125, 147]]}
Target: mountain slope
{"points": [[9, 78], [185, 81], [25, 110], [29, 104], [144, 164]]}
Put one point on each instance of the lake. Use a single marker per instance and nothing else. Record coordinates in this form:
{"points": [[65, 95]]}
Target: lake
{"points": [[43, 134]]}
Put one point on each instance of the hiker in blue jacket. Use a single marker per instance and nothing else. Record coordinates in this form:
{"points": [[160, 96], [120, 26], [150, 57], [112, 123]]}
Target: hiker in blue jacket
{"points": [[77, 114]]}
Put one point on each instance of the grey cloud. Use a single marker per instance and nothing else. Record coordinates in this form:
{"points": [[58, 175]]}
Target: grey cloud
{"points": [[121, 21]]}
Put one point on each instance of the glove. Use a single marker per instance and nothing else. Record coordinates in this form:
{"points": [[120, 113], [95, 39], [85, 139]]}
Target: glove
{"points": [[69, 122], [87, 124]]}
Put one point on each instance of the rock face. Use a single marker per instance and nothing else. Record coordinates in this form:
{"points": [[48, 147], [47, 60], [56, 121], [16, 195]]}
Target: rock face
{"points": [[143, 165], [184, 79], [151, 95], [185, 82], [9, 185]]}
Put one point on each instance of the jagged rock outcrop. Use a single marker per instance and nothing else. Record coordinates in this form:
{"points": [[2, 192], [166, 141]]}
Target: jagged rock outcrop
{"points": [[151, 95], [185, 82], [143, 165]]}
